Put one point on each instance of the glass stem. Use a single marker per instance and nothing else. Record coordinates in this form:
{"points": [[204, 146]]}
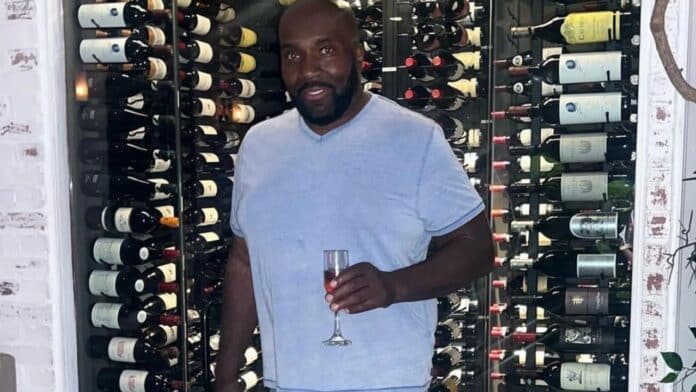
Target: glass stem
{"points": [[337, 325]]}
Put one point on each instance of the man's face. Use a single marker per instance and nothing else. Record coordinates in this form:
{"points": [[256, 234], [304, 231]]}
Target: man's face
{"points": [[319, 66]]}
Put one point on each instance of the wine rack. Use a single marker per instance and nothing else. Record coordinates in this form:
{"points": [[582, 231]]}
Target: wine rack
{"points": [[436, 61]]}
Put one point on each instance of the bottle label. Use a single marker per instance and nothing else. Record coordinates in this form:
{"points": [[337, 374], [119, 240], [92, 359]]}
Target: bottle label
{"points": [[205, 81], [467, 87], [169, 300], [105, 315], [590, 108], [132, 381], [171, 334], [595, 225], [210, 216], [184, 3], [155, 5], [208, 107], [159, 195], [226, 15], [103, 16], [583, 301], [453, 354], [250, 355], [205, 53], [584, 186], [158, 69], [159, 165], [525, 135], [203, 25], [108, 251], [214, 342], [584, 147], [474, 36], [209, 157], [103, 283], [591, 27], [551, 90], [248, 88], [248, 38], [250, 379], [596, 265], [247, 63], [210, 188], [525, 163], [156, 35], [168, 272], [136, 101], [208, 130], [589, 67], [585, 376], [122, 219], [580, 336], [122, 349], [166, 211], [103, 50], [209, 236], [470, 60]]}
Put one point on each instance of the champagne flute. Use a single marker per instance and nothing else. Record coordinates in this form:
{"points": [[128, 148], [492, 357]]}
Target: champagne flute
{"points": [[335, 261]]}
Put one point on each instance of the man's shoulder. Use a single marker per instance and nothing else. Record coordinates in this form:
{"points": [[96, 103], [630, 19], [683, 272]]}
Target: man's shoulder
{"points": [[272, 128], [401, 120]]}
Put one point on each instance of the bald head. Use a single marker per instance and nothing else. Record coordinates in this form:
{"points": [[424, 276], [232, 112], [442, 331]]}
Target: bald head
{"points": [[337, 12]]}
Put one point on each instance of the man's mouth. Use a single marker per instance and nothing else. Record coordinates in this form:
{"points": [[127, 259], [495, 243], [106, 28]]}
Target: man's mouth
{"points": [[314, 93]]}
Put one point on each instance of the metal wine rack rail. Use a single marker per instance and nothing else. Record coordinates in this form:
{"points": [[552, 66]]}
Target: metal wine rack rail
{"points": [[513, 13]]}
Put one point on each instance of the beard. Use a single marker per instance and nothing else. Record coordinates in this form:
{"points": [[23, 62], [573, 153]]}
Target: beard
{"points": [[340, 100]]}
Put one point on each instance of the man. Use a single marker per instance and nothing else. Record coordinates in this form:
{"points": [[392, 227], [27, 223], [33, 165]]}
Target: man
{"points": [[345, 170]]}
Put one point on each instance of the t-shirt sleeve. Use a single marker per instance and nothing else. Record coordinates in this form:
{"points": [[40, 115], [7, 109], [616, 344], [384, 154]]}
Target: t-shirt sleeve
{"points": [[446, 198], [237, 193]]}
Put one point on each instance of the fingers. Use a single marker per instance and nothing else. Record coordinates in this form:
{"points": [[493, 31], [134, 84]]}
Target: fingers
{"points": [[346, 289]]}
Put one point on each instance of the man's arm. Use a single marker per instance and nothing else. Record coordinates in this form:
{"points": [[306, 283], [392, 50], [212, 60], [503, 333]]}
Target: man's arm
{"points": [[459, 257], [239, 316]]}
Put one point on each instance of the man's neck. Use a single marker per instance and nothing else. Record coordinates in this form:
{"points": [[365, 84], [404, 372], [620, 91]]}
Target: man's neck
{"points": [[357, 104]]}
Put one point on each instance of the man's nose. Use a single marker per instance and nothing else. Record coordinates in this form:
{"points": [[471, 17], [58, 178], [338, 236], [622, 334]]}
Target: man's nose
{"points": [[310, 67]]}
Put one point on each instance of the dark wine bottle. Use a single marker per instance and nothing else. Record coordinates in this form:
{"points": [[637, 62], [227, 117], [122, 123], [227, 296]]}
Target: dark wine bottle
{"points": [[420, 67], [103, 119], [118, 14], [454, 66], [581, 186], [127, 317], [582, 147], [219, 10], [583, 28], [119, 50], [210, 162], [204, 216], [160, 335], [418, 98], [580, 301], [578, 339], [219, 186], [468, 13], [575, 376], [577, 109], [140, 220], [210, 60], [124, 251], [120, 156], [593, 225], [155, 276], [568, 263], [152, 68], [151, 35], [124, 283], [203, 81], [132, 350], [112, 379], [110, 85], [126, 187], [158, 303]]}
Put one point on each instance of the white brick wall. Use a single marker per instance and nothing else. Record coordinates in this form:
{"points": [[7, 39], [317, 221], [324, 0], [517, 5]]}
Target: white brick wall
{"points": [[36, 311]]}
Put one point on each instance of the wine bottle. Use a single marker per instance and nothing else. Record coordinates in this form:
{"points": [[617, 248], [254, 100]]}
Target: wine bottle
{"points": [[371, 67], [593, 225], [90, 85], [575, 376], [418, 98], [132, 350], [126, 187], [211, 60], [580, 186], [140, 220], [524, 165], [154, 277], [582, 147], [454, 95], [127, 317], [221, 11], [544, 356], [580, 301], [526, 58], [159, 303], [582, 28], [201, 242], [118, 14], [227, 34], [469, 160], [451, 329], [124, 380], [125, 283], [205, 216], [429, 36], [456, 303], [454, 66], [456, 133], [581, 68], [578, 339], [160, 335], [119, 50], [208, 135], [524, 209], [208, 187], [420, 67], [524, 136], [445, 360], [567, 263], [151, 68], [100, 118], [123, 155], [468, 13], [577, 109], [248, 379], [203, 81], [547, 90], [209, 161], [124, 251]]}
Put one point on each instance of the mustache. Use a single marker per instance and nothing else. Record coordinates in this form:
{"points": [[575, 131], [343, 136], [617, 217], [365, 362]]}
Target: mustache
{"points": [[307, 85]]}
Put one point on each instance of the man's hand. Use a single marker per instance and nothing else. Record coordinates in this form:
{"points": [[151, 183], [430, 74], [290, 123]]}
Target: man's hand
{"points": [[361, 287]]}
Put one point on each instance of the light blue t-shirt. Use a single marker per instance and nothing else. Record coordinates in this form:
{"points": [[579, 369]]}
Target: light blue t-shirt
{"points": [[379, 186]]}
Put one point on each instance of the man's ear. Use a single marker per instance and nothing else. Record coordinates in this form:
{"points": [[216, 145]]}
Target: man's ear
{"points": [[359, 52]]}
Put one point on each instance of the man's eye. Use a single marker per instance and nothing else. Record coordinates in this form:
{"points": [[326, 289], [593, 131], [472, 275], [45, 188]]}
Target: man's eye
{"points": [[291, 56], [326, 50]]}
